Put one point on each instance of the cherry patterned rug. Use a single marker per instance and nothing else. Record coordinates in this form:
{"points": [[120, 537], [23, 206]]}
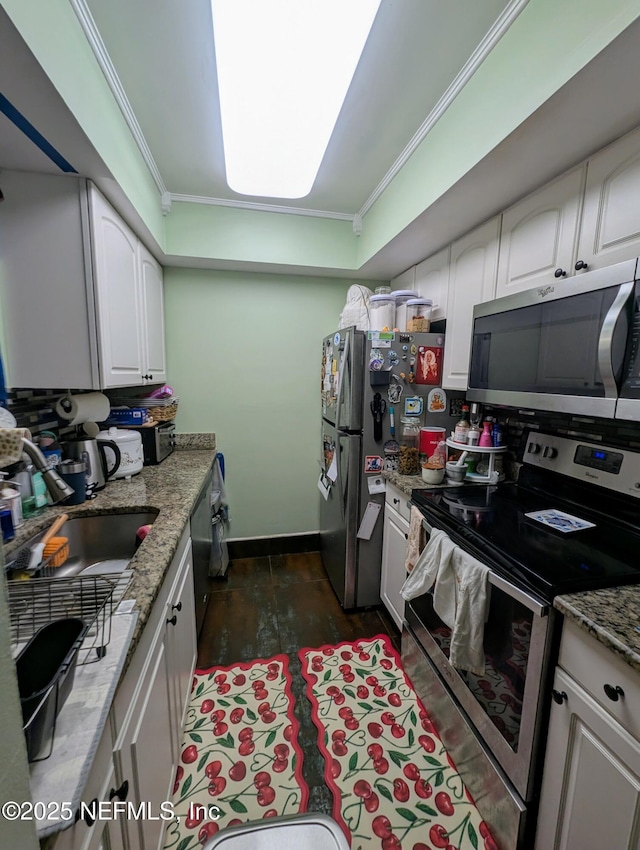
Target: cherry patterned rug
{"points": [[394, 784], [240, 758]]}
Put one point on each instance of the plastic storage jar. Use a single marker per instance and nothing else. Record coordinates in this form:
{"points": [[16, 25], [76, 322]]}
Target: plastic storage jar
{"points": [[409, 459], [382, 310], [419, 315], [402, 296]]}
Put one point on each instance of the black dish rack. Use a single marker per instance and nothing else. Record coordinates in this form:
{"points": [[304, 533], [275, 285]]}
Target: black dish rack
{"points": [[57, 624]]}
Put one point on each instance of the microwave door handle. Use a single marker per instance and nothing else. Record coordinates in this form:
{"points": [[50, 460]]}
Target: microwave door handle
{"points": [[507, 587], [344, 364], [605, 342]]}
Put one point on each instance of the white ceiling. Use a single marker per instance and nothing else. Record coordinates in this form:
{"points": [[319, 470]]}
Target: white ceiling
{"points": [[164, 59], [158, 56]]}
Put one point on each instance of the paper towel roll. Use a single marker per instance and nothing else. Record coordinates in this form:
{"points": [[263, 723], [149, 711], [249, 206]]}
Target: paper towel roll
{"points": [[87, 407]]}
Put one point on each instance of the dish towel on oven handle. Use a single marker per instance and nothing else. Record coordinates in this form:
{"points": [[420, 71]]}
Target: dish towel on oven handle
{"points": [[460, 596], [415, 540]]}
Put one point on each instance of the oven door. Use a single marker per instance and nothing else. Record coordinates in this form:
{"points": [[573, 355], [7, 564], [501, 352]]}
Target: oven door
{"points": [[506, 704]]}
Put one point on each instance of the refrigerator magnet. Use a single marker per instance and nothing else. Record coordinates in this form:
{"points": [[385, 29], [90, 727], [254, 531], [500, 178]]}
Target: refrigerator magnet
{"points": [[413, 404], [429, 365], [436, 400], [373, 464]]}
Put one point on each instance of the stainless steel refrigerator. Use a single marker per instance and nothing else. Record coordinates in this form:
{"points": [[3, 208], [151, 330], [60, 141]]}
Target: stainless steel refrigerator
{"points": [[362, 374]]}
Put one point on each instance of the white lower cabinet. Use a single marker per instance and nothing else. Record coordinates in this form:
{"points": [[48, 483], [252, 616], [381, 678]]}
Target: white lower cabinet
{"points": [[139, 750], [394, 552], [591, 782]]}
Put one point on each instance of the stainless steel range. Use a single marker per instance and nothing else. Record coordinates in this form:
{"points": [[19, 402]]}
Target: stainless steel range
{"points": [[569, 524]]}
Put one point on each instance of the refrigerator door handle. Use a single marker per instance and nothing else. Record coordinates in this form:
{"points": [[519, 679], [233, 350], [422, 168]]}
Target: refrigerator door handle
{"points": [[342, 487], [343, 365]]}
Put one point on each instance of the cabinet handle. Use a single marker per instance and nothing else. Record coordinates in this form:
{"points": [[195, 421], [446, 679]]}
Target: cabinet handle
{"points": [[614, 693], [177, 607], [559, 696], [559, 273], [406, 537], [173, 620], [581, 265], [148, 377], [121, 793], [396, 501]]}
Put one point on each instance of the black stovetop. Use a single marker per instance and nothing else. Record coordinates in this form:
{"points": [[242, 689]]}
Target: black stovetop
{"points": [[491, 522]]}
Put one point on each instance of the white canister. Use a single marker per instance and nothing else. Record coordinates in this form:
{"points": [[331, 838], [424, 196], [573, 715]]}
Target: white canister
{"points": [[402, 296], [382, 312], [131, 454]]}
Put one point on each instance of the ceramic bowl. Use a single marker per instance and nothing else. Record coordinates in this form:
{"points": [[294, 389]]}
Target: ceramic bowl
{"points": [[432, 474], [456, 472]]}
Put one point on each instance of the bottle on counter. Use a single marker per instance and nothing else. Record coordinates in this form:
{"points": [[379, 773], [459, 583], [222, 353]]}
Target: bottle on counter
{"points": [[496, 433], [486, 440], [6, 522], [461, 431], [473, 437]]}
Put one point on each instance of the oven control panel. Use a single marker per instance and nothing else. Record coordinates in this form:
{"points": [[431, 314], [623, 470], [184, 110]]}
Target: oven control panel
{"points": [[615, 469]]}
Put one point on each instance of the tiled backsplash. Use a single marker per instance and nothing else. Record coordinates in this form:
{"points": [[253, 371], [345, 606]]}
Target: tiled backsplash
{"points": [[517, 422], [36, 410]]}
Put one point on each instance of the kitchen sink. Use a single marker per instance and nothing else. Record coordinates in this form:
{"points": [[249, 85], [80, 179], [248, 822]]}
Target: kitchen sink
{"points": [[99, 544]]}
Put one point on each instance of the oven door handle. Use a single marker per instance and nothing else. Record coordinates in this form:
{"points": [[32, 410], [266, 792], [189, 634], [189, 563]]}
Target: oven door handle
{"points": [[530, 602]]}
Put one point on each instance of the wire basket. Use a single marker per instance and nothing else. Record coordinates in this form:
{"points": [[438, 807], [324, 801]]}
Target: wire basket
{"points": [[93, 599]]}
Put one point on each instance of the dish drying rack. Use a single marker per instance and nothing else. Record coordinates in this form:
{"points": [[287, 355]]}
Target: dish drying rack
{"points": [[36, 602]]}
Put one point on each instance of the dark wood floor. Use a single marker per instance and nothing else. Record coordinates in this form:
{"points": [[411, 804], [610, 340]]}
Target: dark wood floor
{"points": [[280, 604]]}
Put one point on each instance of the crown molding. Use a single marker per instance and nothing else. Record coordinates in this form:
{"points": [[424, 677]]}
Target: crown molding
{"points": [[492, 37], [104, 60], [250, 205]]}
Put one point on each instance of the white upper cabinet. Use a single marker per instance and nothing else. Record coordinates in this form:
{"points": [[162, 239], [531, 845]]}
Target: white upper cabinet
{"points": [[610, 230], [405, 280], [81, 296], [538, 238], [152, 317], [118, 305], [432, 281], [472, 279]]}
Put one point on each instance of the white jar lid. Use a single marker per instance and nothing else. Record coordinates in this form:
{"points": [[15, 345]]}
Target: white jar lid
{"points": [[422, 301], [405, 293], [380, 298]]}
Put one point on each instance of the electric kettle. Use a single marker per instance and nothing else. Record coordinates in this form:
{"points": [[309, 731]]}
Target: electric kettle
{"points": [[91, 451]]}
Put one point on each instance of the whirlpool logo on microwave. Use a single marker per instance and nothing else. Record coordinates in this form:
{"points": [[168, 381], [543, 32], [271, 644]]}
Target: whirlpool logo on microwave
{"points": [[546, 290]]}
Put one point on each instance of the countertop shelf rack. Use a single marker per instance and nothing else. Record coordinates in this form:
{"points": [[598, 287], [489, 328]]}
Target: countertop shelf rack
{"points": [[491, 451]]}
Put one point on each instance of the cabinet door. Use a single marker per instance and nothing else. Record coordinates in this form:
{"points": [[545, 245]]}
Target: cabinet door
{"points": [[152, 317], [539, 234], [394, 553], [404, 280], [117, 302], [432, 281], [472, 279], [181, 645], [610, 229], [143, 750], [591, 782]]}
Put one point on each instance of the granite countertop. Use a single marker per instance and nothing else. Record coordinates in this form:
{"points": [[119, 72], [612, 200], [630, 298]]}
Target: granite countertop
{"points": [[611, 615], [171, 488], [407, 483]]}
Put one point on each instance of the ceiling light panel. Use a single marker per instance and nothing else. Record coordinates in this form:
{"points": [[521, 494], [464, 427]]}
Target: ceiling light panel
{"points": [[284, 69]]}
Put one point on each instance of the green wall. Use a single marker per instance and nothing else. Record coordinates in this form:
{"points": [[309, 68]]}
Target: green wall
{"points": [[243, 354]]}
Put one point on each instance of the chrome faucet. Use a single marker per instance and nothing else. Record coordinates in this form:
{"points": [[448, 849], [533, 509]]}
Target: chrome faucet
{"points": [[58, 489]]}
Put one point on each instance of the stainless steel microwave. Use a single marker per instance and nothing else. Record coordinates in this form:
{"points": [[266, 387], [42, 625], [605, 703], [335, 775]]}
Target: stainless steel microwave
{"points": [[572, 346]]}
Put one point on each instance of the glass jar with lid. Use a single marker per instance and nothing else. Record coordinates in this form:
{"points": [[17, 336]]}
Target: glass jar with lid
{"points": [[382, 312], [409, 458], [402, 296], [419, 315]]}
